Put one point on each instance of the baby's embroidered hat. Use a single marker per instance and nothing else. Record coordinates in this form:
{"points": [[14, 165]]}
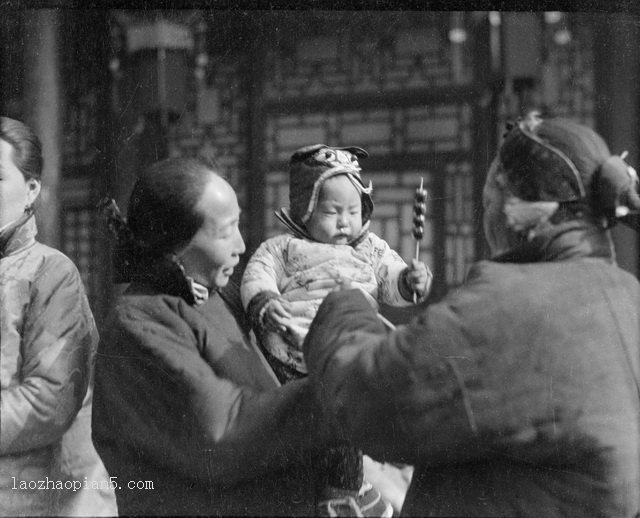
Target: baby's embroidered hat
{"points": [[311, 166]]}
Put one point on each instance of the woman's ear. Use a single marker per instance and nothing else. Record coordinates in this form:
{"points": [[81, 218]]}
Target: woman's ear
{"points": [[33, 190]]}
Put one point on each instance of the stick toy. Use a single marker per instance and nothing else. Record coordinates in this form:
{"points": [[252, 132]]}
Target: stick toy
{"points": [[419, 211], [386, 322]]}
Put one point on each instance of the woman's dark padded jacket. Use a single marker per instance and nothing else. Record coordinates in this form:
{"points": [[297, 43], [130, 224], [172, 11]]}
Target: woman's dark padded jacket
{"points": [[517, 395], [183, 399]]}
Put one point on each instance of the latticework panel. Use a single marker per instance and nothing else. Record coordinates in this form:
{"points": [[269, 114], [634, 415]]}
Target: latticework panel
{"points": [[382, 52], [383, 131], [79, 245], [83, 60], [402, 56], [393, 194], [217, 126], [276, 196], [459, 221], [571, 72], [566, 86], [81, 130]]}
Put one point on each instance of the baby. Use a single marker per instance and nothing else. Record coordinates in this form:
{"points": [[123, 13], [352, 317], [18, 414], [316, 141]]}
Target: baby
{"points": [[289, 275]]}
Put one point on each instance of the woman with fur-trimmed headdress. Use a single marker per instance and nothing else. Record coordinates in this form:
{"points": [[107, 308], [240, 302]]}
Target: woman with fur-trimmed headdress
{"points": [[518, 394]]}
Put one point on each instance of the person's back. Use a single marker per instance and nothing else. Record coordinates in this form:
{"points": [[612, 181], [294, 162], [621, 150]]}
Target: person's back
{"points": [[555, 347]]}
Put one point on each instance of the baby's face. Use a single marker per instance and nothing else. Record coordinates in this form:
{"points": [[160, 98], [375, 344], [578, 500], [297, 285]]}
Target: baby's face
{"points": [[337, 218]]}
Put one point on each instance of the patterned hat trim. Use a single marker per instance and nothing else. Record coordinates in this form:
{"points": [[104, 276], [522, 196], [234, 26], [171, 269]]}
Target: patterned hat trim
{"points": [[329, 173], [301, 232], [314, 148]]}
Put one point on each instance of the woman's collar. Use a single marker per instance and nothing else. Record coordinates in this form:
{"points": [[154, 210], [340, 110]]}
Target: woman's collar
{"points": [[166, 275], [564, 241], [200, 292], [18, 234]]}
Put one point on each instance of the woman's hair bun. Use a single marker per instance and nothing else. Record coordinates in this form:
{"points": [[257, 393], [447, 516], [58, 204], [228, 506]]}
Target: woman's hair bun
{"points": [[123, 241], [616, 189]]}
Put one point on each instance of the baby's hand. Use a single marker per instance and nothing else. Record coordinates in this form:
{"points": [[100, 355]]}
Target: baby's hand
{"points": [[419, 278], [277, 313], [342, 284]]}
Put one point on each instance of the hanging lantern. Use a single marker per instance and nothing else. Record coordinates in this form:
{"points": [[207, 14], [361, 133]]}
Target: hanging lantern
{"points": [[153, 66]]}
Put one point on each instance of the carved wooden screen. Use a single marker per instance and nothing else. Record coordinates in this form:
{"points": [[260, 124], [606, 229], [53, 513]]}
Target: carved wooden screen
{"points": [[84, 174], [395, 85], [215, 127], [414, 89]]}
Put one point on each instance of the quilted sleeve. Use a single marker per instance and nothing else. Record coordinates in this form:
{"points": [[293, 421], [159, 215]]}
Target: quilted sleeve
{"points": [[261, 276], [389, 268], [58, 342]]}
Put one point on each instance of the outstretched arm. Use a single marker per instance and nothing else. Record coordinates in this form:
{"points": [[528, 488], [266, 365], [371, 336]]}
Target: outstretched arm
{"points": [[395, 394]]}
